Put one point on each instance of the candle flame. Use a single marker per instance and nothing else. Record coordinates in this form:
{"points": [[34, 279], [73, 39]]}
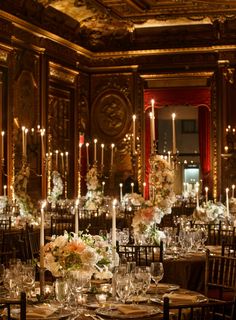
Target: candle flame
{"points": [[77, 202], [44, 203], [173, 116]]}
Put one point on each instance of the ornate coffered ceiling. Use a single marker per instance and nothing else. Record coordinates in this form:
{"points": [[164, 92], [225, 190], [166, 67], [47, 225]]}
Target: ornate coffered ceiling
{"points": [[111, 25]]}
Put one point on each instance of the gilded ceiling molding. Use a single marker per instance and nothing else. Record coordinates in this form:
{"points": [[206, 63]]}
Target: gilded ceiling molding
{"points": [[61, 73], [3, 55], [177, 75]]}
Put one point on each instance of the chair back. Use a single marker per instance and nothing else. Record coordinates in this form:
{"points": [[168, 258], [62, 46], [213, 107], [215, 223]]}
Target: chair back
{"points": [[211, 310], [220, 276], [143, 255], [62, 223], [10, 304]]}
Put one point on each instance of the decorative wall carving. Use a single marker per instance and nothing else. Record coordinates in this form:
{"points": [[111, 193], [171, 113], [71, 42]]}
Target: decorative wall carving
{"points": [[111, 114]]}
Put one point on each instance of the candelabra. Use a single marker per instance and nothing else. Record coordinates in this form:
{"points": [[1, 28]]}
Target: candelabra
{"points": [[229, 155]]}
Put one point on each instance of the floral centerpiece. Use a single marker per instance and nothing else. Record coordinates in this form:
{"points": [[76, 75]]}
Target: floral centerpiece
{"points": [[57, 189], [162, 183], [133, 199], [147, 218], [23, 200], [84, 253], [3, 202], [94, 196], [144, 225], [210, 212]]}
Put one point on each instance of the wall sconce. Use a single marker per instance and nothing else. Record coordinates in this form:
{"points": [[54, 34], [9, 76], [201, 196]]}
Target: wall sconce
{"points": [[228, 73]]}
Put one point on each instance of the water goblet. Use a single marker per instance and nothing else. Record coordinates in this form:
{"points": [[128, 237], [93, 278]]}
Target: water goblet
{"points": [[61, 291], [157, 272]]}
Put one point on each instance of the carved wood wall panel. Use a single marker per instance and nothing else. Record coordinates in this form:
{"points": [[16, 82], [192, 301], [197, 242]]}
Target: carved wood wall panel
{"points": [[112, 107], [60, 130], [26, 112]]}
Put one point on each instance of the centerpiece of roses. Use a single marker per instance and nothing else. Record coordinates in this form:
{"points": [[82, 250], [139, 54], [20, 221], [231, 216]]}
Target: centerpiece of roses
{"points": [[162, 183], [94, 195], [145, 223], [84, 253]]}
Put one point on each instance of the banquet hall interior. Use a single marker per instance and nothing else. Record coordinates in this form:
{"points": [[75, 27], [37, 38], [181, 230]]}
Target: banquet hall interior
{"points": [[118, 119]]}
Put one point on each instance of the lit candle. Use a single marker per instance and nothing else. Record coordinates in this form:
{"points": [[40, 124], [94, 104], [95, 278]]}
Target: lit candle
{"points": [[5, 190], [95, 150], [56, 160], [144, 189], [102, 155], [134, 118], [103, 185], [151, 132], [87, 153], [77, 216], [67, 161], [233, 187], [62, 162], [112, 153], [25, 153], [197, 197], [132, 187], [80, 146], [206, 191], [2, 147], [153, 121], [42, 235], [168, 157], [42, 133], [227, 201], [121, 192], [226, 149], [173, 134], [23, 141], [114, 229]]}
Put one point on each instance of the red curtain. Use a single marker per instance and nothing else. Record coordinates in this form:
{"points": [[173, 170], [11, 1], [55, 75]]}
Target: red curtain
{"points": [[192, 96]]}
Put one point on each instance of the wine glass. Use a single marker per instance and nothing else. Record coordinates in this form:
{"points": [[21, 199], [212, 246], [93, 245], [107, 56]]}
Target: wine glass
{"points": [[157, 272], [61, 291]]}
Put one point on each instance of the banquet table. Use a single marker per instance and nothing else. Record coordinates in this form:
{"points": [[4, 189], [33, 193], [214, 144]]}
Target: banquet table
{"points": [[188, 270]]}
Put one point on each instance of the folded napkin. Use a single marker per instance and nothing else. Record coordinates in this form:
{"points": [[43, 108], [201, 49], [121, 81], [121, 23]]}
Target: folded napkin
{"points": [[181, 297], [36, 312], [128, 309]]}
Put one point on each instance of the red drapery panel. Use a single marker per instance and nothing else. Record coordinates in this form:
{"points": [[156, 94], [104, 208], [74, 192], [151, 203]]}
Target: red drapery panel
{"points": [[195, 96], [182, 96]]}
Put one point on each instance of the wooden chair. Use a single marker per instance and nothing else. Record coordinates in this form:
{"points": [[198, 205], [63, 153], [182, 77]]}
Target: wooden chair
{"points": [[12, 246], [143, 255], [33, 243], [212, 310], [11, 303], [5, 223], [228, 249], [220, 277], [62, 223]]}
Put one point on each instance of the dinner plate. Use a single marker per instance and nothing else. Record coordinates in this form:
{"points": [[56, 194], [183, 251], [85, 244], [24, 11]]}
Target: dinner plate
{"points": [[163, 288], [145, 311]]}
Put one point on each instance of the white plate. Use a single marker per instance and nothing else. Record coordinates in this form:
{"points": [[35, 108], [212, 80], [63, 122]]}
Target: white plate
{"points": [[163, 288], [148, 311]]}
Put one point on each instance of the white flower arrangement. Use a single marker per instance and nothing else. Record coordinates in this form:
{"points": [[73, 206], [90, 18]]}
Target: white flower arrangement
{"points": [[210, 212], [23, 200], [71, 252], [94, 197], [133, 199], [3, 202], [57, 189], [145, 222], [162, 183]]}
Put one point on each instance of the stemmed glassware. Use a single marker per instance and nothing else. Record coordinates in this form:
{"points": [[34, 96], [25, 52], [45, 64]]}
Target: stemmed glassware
{"points": [[61, 291], [157, 272]]}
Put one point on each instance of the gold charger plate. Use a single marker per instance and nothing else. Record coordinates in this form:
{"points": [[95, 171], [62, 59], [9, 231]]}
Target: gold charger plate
{"points": [[143, 312]]}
